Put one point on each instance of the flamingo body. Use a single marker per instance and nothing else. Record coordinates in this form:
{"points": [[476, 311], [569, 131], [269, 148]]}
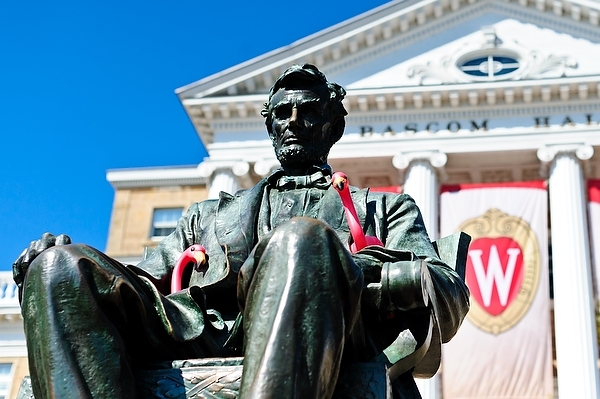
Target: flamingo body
{"points": [[194, 255], [340, 182]]}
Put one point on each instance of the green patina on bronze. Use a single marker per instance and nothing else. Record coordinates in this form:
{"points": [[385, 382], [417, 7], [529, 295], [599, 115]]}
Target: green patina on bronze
{"points": [[281, 289]]}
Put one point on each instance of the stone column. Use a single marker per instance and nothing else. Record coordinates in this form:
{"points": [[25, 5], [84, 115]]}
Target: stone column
{"points": [[222, 180], [574, 321], [225, 176], [419, 172]]}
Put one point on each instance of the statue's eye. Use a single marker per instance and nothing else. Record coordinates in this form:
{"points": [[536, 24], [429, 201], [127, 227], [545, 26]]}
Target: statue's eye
{"points": [[310, 112], [283, 112]]}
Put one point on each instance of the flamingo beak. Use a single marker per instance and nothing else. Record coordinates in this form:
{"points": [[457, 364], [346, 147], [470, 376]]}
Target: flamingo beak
{"points": [[339, 183], [200, 259]]}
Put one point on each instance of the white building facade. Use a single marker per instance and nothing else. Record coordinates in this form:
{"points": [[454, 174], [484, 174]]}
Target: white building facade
{"points": [[13, 350], [447, 92]]}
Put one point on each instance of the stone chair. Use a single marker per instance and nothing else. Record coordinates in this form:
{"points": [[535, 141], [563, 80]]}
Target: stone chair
{"points": [[220, 377]]}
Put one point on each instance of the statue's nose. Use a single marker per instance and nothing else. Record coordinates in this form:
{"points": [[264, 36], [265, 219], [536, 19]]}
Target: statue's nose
{"points": [[294, 116]]}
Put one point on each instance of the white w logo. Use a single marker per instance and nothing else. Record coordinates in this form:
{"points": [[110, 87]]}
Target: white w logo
{"points": [[494, 273]]}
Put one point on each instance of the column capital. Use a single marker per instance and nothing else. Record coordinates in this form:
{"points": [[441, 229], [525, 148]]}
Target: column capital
{"points": [[207, 167], [547, 154], [266, 166], [582, 151], [436, 159], [239, 169]]}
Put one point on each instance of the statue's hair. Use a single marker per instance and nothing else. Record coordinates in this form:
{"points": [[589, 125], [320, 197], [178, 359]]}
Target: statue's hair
{"points": [[304, 77]]}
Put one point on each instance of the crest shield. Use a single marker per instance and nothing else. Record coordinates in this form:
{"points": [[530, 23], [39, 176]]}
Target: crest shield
{"points": [[503, 270]]}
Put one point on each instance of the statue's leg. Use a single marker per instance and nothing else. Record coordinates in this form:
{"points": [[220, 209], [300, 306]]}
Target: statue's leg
{"points": [[89, 322], [300, 290]]}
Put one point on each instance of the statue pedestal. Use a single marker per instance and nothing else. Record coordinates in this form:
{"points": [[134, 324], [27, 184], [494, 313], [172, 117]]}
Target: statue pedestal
{"points": [[220, 378]]}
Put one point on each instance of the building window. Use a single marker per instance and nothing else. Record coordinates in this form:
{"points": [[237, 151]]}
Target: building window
{"points": [[489, 67], [164, 221], [5, 379]]}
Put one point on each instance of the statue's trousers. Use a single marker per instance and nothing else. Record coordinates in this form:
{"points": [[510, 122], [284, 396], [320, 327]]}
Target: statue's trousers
{"points": [[91, 323], [300, 294]]}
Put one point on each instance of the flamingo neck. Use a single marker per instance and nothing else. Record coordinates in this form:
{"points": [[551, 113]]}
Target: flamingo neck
{"points": [[352, 217]]}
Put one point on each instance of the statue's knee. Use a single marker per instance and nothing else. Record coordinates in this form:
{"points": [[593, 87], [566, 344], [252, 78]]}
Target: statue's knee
{"points": [[56, 263]]}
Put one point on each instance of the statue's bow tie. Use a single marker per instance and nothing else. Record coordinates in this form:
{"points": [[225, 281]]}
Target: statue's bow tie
{"points": [[316, 180]]}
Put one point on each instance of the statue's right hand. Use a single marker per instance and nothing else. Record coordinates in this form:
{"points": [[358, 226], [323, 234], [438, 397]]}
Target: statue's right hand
{"points": [[35, 248]]}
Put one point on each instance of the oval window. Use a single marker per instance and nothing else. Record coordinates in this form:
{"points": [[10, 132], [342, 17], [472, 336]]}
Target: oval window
{"points": [[491, 66]]}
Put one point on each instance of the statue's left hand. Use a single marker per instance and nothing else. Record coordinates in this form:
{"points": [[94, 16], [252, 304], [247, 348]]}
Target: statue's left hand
{"points": [[35, 248]]}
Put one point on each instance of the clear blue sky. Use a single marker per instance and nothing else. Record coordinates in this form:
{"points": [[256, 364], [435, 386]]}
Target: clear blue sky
{"points": [[87, 86]]}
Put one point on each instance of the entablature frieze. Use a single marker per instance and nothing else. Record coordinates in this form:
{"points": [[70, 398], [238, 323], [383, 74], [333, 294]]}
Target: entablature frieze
{"points": [[557, 114], [355, 145]]}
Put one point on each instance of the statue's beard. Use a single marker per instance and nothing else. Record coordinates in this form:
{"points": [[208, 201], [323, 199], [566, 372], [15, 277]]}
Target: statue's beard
{"points": [[300, 156]]}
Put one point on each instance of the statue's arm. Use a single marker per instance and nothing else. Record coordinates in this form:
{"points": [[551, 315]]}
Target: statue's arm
{"points": [[159, 265], [408, 284]]}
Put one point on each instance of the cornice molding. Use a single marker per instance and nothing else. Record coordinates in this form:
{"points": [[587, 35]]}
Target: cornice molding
{"points": [[537, 106], [223, 114], [155, 177]]}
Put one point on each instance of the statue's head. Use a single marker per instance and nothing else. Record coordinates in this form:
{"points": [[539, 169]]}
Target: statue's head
{"points": [[304, 117]]}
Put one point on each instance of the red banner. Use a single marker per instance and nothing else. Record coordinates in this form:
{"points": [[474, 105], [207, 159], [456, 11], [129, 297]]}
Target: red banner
{"points": [[594, 218], [504, 348]]}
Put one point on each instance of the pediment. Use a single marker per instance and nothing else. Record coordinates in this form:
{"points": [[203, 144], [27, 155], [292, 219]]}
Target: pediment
{"points": [[409, 45], [366, 45], [507, 50]]}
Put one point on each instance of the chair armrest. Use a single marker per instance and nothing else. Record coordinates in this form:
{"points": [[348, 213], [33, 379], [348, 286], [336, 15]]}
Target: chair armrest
{"points": [[453, 250]]}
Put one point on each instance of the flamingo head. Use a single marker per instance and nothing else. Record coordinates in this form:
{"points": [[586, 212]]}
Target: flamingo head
{"points": [[197, 254], [339, 181]]}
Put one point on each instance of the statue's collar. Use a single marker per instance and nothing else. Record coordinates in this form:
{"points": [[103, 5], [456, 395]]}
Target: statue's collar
{"points": [[317, 177]]}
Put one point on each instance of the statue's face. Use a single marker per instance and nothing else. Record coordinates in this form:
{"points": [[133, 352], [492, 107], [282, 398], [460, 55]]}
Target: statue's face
{"points": [[300, 127]]}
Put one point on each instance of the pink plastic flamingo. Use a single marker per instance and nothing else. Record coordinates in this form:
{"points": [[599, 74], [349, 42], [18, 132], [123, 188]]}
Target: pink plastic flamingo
{"points": [[340, 182], [194, 255]]}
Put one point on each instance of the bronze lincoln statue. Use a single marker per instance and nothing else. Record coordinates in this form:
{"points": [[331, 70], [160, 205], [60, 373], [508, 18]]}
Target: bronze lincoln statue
{"points": [[281, 287]]}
